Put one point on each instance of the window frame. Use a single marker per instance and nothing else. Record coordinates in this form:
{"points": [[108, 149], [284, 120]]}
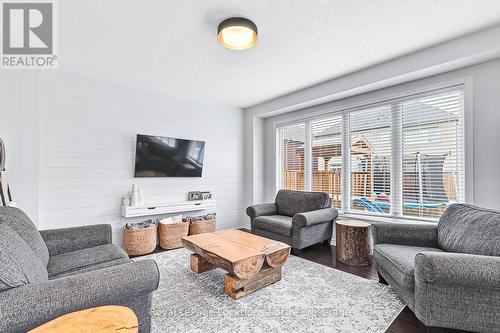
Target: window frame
{"points": [[363, 101], [310, 144], [280, 165]]}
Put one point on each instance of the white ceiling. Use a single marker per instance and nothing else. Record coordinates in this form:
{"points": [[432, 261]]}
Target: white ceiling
{"points": [[172, 44]]}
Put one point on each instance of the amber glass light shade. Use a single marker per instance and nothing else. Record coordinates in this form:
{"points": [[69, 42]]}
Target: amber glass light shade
{"points": [[237, 33]]}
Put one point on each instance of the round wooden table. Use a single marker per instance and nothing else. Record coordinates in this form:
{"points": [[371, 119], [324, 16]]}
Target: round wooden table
{"points": [[353, 242], [103, 319]]}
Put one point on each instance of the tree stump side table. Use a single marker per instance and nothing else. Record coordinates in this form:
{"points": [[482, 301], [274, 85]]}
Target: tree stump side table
{"points": [[353, 242]]}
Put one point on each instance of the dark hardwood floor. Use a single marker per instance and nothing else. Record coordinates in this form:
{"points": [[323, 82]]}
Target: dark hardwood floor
{"points": [[406, 322], [324, 254]]}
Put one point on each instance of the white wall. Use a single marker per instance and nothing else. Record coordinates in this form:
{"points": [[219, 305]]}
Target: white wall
{"points": [[70, 140], [253, 159], [88, 128], [19, 129]]}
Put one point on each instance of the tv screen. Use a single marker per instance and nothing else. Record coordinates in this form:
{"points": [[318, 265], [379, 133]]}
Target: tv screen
{"points": [[157, 156]]}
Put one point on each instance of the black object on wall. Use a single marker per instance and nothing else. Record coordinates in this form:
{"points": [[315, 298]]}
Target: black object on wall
{"points": [[157, 156]]}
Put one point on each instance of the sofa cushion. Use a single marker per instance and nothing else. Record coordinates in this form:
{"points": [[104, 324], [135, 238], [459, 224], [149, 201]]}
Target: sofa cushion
{"points": [[399, 261], [290, 203], [85, 260], [19, 265], [279, 224], [22, 225], [469, 229]]}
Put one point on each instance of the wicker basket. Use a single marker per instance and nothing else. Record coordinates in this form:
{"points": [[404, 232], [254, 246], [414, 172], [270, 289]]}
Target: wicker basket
{"points": [[200, 227], [171, 234], [139, 241]]}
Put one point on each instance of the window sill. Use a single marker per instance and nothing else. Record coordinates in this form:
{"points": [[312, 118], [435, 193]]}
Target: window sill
{"points": [[385, 218]]}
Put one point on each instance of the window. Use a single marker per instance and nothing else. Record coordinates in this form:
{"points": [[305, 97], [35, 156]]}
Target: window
{"points": [[292, 149], [422, 135], [403, 157], [327, 157], [370, 151], [432, 146]]}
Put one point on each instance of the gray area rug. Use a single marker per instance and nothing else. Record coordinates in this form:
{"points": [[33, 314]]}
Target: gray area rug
{"points": [[309, 298]]}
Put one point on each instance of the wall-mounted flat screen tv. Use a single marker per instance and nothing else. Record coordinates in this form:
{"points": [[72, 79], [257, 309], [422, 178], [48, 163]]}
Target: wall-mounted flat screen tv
{"points": [[158, 156]]}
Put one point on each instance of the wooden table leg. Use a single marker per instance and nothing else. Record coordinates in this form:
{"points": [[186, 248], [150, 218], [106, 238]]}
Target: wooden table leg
{"points": [[237, 288], [200, 264]]}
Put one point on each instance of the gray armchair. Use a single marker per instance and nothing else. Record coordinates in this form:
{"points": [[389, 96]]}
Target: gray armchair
{"points": [[447, 273], [297, 218], [46, 274]]}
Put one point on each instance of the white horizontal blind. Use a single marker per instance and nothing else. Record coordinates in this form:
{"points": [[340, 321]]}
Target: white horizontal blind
{"points": [[432, 152], [370, 159], [326, 157], [402, 157], [292, 148]]}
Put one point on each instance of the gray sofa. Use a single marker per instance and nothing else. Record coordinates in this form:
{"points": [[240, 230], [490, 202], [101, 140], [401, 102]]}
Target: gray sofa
{"points": [[49, 273], [447, 273], [297, 218]]}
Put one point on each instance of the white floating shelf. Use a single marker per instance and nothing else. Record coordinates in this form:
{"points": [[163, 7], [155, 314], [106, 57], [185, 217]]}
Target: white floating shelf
{"points": [[167, 208]]}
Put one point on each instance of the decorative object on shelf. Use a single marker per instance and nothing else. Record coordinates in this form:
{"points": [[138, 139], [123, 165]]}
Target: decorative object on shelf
{"points": [[126, 201], [140, 241], [194, 195], [201, 224], [140, 194], [134, 196], [207, 195], [171, 233]]}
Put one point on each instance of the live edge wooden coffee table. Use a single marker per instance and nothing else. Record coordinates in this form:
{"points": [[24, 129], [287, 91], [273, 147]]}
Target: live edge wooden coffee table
{"points": [[252, 262]]}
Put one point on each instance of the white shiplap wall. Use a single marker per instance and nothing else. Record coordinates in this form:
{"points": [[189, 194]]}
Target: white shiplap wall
{"points": [[87, 148]]}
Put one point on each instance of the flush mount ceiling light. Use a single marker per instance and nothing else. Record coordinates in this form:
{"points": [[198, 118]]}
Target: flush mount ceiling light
{"points": [[237, 33]]}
